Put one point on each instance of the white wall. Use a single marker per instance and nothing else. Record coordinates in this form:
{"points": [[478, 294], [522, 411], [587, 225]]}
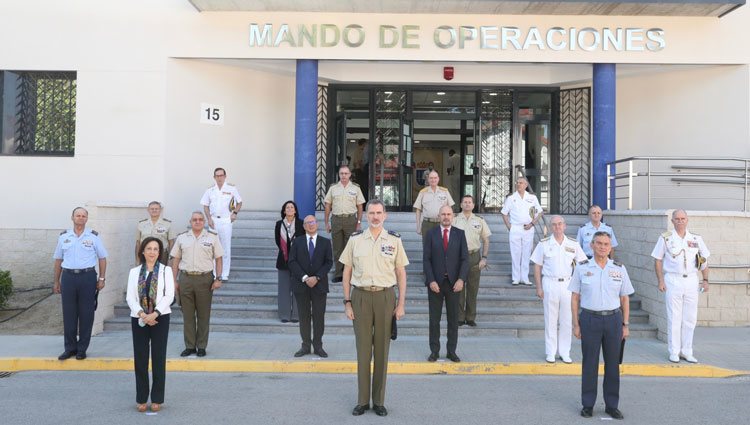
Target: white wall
{"points": [[255, 145]]}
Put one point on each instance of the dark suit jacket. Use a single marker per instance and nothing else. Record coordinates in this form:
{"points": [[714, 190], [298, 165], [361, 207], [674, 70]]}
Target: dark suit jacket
{"points": [[300, 264], [298, 230], [437, 261]]}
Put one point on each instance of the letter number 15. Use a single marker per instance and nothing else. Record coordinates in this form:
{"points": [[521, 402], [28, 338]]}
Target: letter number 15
{"points": [[212, 114]]}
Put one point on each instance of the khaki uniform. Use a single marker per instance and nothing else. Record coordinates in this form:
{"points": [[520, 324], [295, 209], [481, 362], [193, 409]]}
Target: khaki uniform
{"points": [[475, 229], [430, 202], [374, 263], [196, 266], [162, 230], [343, 201]]}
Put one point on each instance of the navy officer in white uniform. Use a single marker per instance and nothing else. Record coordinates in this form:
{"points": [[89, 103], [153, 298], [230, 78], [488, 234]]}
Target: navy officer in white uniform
{"points": [[586, 232], [601, 288], [554, 258], [221, 204], [521, 211], [76, 255]]}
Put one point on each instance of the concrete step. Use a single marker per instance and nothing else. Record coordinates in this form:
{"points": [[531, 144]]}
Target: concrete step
{"points": [[344, 326]]}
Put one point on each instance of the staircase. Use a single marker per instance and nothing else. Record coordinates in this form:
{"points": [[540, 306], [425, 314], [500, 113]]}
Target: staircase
{"points": [[247, 303]]}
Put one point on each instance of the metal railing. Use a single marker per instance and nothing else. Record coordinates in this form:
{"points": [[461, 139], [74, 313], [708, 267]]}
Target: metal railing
{"points": [[731, 266], [666, 178]]}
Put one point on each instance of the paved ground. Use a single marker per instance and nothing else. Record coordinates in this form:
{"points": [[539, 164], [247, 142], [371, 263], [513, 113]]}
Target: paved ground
{"points": [[109, 397], [722, 347]]}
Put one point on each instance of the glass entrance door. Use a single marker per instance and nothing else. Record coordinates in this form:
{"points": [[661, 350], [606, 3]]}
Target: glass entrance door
{"points": [[532, 147]]}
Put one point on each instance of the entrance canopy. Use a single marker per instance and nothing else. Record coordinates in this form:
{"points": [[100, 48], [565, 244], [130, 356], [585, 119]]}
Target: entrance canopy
{"points": [[703, 8]]}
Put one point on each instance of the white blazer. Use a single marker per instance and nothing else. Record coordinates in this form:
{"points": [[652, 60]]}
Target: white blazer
{"points": [[164, 291]]}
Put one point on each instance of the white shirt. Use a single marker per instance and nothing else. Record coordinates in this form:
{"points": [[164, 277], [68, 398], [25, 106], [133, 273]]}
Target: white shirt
{"points": [[557, 259], [443, 229], [678, 254], [218, 200], [519, 208], [164, 291]]}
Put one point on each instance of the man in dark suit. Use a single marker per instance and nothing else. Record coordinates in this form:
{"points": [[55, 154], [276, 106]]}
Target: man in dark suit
{"points": [[310, 260], [446, 266]]}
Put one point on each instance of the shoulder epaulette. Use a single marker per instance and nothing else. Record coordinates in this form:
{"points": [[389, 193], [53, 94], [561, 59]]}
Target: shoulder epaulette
{"points": [[586, 261], [545, 239], [167, 220], [572, 239], [182, 233], [424, 189], [354, 183], [230, 184], [394, 233], [694, 234], [210, 187], [95, 233], [666, 234], [358, 232], [617, 263], [145, 219], [63, 232], [444, 188], [479, 217], [213, 232]]}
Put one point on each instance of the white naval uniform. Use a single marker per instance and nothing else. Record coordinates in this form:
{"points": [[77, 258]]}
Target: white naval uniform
{"points": [[681, 279], [557, 261], [520, 211], [219, 202]]}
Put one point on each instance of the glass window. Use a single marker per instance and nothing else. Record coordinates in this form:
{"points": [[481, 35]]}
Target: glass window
{"points": [[38, 113]]}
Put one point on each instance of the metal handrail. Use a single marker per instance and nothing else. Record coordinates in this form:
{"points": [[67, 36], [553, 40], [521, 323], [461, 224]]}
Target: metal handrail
{"points": [[741, 177]]}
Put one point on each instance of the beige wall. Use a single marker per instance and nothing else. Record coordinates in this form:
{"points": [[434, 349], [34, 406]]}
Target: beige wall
{"points": [[726, 235]]}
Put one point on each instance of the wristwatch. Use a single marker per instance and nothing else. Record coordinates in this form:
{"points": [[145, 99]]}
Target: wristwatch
{"points": [[102, 279], [626, 323], [347, 301]]}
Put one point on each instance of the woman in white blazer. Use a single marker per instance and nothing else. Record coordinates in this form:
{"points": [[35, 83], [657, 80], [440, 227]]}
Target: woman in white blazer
{"points": [[149, 295]]}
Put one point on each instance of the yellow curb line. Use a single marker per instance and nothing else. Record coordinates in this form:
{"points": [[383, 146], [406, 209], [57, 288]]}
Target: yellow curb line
{"points": [[350, 367]]}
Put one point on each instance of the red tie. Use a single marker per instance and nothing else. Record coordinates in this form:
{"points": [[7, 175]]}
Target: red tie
{"points": [[445, 239]]}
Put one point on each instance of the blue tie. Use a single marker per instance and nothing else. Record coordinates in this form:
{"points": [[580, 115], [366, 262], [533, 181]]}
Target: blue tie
{"points": [[311, 248]]}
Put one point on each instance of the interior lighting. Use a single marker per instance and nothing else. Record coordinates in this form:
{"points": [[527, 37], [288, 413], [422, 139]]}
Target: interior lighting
{"points": [[493, 94], [440, 93], [437, 101]]}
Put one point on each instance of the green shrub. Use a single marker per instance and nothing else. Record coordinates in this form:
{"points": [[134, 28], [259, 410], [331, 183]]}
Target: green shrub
{"points": [[6, 287]]}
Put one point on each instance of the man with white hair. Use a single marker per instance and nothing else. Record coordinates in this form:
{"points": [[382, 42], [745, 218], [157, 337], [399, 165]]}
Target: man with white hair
{"points": [[678, 257], [521, 211]]}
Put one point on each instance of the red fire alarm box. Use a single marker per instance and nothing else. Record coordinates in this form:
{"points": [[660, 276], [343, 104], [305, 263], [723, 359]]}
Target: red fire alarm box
{"points": [[448, 72]]}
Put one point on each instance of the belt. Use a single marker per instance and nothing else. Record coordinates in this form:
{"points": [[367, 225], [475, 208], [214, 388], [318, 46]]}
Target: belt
{"points": [[79, 271], [196, 273], [559, 279], [345, 215], [602, 312], [679, 274], [373, 288], [473, 252], [431, 220]]}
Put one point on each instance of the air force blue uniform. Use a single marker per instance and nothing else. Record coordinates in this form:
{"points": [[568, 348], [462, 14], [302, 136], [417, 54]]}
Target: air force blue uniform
{"points": [[601, 322], [79, 255]]}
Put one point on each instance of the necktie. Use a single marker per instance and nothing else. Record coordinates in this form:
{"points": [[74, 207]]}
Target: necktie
{"points": [[311, 248], [445, 239]]}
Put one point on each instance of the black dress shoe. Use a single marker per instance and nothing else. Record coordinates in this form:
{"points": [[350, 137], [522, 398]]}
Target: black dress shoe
{"points": [[453, 357], [461, 322], [186, 352], [360, 409], [471, 323], [337, 279], [301, 352], [284, 320], [66, 355], [321, 352], [614, 412], [295, 321], [432, 357], [380, 410], [81, 355], [587, 412], [201, 352]]}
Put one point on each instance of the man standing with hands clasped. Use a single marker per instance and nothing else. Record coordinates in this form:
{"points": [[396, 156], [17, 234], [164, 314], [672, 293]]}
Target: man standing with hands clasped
{"points": [[446, 264], [478, 242], [344, 199], [520, 213], [678, 257], [221, 204], [554, 258], [601, 288], [374, 262], [310, 260]]}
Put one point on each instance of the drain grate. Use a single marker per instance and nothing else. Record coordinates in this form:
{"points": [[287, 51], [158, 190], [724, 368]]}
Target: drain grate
{"points": [[5, 374]]}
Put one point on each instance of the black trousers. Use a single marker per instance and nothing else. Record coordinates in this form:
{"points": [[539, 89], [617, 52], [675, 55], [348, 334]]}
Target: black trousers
{"points": [[311, 306], [605, 333], [436, 312], [155, 338], [78, 293]]}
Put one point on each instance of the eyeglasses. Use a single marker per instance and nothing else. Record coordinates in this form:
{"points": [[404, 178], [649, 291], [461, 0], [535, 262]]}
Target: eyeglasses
{"points": [[311, 222], [220, 175]]}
